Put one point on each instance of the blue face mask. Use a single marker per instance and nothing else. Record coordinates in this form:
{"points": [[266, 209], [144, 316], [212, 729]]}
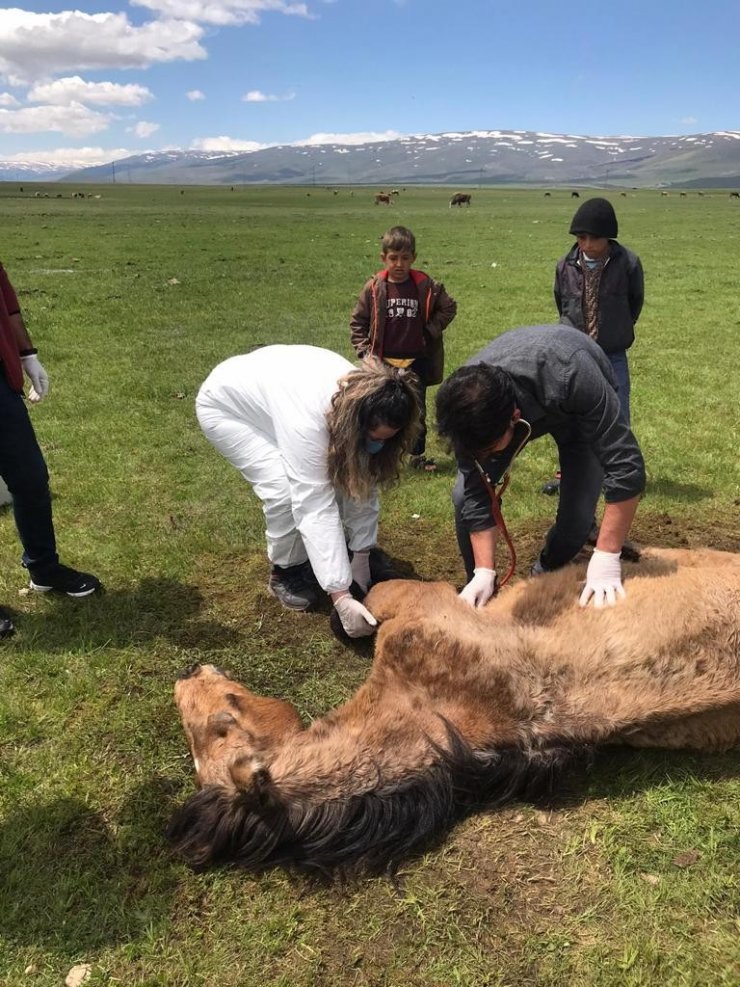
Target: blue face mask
{"points": [[373, 445]]}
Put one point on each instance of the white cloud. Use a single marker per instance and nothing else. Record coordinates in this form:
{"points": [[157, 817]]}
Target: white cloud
{"points": [[38, 46], [75, 90], [689, 121], [370, 137], [6, 99], [194, 95], [223, 12], [74, 120], [72, 157], [226, 144], [257, 96], [143, 128]]}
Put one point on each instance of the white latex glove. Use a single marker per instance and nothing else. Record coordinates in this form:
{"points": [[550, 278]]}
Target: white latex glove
{"points": [[38, 377], [360, 566], [480, 588], [603, 579], [356, 619]]}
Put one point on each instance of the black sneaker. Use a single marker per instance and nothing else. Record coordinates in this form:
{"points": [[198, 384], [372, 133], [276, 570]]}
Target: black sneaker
{"points": [[6, 623], [64, 580], [552, 487], [294, 586]]}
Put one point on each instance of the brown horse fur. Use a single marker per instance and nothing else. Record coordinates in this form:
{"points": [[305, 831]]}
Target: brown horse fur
{"points": [[462, 709]]}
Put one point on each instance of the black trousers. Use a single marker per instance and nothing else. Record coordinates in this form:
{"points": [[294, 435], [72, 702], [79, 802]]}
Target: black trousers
{"points": [[23, 468]]}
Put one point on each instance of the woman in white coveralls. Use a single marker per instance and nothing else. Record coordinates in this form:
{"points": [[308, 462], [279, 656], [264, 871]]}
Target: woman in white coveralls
{"points": [[315, 436]]}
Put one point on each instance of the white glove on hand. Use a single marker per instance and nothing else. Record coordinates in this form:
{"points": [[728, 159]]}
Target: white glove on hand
{"points": [[356, 619], [603, 579], [480, 588], [360, 566], [38, 377]]}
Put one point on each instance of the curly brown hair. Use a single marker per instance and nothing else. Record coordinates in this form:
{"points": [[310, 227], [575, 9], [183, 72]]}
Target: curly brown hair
{"points": [[374, 394]]}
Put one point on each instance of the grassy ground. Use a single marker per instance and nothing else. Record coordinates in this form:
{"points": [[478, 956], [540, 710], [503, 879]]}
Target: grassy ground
{"points": [[132, 298]]}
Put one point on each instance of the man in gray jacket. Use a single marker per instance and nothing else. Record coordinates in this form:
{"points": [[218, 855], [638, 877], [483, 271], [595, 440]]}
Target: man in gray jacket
{"points": [[528, 382]]}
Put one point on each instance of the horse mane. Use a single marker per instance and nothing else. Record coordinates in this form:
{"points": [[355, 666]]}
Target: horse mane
{"points": [[372, 832]]}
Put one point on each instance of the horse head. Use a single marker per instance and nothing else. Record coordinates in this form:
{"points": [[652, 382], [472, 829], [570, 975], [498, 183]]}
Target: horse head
{"points": [[231, 731]]}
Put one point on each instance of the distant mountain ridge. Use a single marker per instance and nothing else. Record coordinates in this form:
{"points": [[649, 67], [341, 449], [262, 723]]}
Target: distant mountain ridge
{"points": [[492, 157]]}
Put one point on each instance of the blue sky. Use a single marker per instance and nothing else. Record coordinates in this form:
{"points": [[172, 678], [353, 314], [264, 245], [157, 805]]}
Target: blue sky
{"points": [[87, 82]]}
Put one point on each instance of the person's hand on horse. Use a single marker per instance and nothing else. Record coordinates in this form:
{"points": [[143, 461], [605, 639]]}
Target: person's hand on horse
{"points": [[603, 579], [356, 619], [480, 588], [38, 376], [360, 566]]}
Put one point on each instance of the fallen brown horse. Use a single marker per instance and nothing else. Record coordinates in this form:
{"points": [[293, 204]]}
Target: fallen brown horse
{"points": [[461, 710]]}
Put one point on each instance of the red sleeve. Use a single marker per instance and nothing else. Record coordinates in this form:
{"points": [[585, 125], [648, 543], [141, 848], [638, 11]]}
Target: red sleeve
{"points": [[9, 296]]}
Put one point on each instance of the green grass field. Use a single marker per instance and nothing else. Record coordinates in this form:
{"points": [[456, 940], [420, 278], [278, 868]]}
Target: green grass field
{"points": [[131, 299]]}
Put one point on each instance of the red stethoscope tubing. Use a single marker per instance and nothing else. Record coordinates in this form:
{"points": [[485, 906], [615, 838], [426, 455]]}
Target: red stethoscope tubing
{"points": [[496, 496]]}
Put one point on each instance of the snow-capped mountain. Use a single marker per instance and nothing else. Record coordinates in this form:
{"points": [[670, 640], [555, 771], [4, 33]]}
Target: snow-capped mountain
{"points": [[490, 157], [28, 170]]}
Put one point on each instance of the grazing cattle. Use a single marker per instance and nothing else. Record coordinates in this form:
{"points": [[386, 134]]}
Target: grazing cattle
{"points": [[383, 197], [665, 194], [575, 195], [682, 195], [623, 194], [462, 708], [394, 191], [700, 193], [547, 195], [735, 195], [460, 199]]}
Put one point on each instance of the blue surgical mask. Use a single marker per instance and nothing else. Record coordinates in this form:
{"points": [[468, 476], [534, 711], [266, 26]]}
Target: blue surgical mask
{"points": [[373, 445]]}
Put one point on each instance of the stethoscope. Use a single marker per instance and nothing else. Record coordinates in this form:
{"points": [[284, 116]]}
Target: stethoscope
{"points": [[496, 492]]}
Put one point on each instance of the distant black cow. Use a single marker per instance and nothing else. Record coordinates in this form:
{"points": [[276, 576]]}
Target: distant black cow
{"points": [[735, 195], [547, 195], [460, 199], [575, 195]]}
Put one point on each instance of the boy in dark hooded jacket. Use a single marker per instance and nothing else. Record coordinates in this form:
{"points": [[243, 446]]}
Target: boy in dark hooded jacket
{"points": [[600, 288]]}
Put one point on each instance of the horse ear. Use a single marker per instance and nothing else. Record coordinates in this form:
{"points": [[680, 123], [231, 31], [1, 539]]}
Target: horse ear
{"points": [[261, 779], [221, 723], [389, 598], [247, 774]]}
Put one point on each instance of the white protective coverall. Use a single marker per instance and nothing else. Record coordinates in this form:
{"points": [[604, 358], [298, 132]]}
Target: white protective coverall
{"points": [[266, 413]]}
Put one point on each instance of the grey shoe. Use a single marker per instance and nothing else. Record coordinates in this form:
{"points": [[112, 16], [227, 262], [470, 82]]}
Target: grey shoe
{"points": [[294, 586]]}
